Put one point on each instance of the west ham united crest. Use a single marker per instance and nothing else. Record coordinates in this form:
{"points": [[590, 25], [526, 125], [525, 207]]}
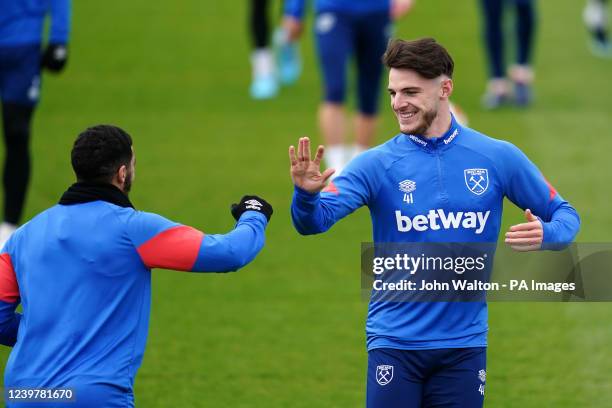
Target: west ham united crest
{"points": [[476, 180], [384, 374]]}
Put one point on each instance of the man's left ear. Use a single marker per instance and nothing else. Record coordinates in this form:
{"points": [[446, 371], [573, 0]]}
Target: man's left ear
{"points": [[122, 174]]}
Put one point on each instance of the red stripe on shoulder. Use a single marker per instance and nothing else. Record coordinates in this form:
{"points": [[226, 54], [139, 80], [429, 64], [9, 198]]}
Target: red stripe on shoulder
{"points": [[175, 248], [9, 290], [331, 188], [552, 193]]}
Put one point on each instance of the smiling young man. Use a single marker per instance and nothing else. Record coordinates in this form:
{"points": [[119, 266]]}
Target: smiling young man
{"points": [[430, 353]]}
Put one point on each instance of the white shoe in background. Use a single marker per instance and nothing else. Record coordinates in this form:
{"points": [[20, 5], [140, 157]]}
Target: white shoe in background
{"points": [[264, 84]]}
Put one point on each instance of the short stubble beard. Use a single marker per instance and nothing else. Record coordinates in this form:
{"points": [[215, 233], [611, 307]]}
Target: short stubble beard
{"points": [[428, 118]]}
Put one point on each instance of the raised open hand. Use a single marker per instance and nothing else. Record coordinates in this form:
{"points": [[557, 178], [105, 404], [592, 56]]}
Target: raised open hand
{"points": [[305, 173]]}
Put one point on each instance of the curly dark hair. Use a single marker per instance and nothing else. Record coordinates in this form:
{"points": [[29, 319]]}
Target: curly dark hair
{"points": [[425, 56], [99, 151]]}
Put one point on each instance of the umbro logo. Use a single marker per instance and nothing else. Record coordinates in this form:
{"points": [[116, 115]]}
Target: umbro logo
{"points": [[253, 205], [407, 187], [60, 53]]}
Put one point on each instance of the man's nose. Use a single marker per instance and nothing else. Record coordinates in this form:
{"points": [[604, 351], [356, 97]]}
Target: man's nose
{"points": [[398, 102]]}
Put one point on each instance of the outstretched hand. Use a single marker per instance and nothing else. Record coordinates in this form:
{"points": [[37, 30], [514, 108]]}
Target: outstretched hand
{"points": [[305, 173], [527, 236]]}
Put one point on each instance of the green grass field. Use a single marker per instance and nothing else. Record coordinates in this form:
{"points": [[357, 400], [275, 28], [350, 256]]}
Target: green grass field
{"points": [[288, 330]]}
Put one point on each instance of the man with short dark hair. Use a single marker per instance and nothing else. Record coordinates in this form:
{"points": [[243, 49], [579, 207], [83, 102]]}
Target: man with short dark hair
{"points": [[436, 181], [82, 271]]}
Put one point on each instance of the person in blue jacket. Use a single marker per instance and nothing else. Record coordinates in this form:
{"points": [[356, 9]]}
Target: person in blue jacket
{"points": [[82, 272], [521, 74], [347, 31], [21, 60], [436, 181]]}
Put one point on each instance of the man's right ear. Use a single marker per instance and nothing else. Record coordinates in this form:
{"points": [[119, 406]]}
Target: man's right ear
{"points": [[447, 88], [122, 174]]}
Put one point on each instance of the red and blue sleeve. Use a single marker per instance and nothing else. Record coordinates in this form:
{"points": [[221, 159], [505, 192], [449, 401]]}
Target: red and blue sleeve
{"points": [[9, 299], [162, 243], [527, 187]]}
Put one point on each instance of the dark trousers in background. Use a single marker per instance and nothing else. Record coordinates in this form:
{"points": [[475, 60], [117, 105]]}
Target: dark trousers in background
{"points": [[19, 93], [493, 12], [16, 124]]}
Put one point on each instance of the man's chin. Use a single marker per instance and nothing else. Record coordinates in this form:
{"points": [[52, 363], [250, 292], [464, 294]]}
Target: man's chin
{"points": [[418, 128], [409, 130]]}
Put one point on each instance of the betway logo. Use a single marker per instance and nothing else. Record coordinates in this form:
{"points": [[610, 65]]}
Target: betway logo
{"points": [[424, 143], [451, 137], [419, 141], [454, 220]]}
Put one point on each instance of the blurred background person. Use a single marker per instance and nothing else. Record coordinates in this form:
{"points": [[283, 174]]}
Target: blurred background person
{"points": [[21, 60], [498, 90], [596, 20], [346, 29], [270, 66]]}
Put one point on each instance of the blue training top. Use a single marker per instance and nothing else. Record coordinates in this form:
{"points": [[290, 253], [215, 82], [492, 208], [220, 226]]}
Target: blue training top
{"points": [[22, 21], [83, 275], [295, 8], [445, 206]]}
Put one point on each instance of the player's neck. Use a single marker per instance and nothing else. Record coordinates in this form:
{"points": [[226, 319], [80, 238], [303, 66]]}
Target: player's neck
{"points": [[440, 125], [119, 185]]}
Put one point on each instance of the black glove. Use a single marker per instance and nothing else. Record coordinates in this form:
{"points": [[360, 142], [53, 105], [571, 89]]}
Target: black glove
{"points": [[54, 58], [252, 203]]}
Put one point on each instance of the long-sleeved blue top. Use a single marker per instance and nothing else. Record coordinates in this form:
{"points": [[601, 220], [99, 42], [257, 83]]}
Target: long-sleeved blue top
{"points": [[445, 189], [22, 21], [83, 276]]}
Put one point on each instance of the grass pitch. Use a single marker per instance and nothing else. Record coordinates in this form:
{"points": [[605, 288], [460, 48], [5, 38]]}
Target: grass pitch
{"points": [[288, 330]]}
